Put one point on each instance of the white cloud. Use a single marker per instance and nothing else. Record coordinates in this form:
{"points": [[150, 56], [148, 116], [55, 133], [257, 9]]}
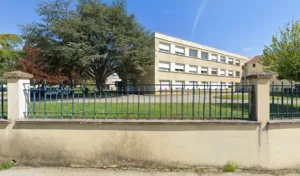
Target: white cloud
{"points": [[247, 49], [197, 17]]}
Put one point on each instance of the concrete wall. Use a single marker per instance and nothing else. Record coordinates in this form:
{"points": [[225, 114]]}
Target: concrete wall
{"points": [[148, 144]]}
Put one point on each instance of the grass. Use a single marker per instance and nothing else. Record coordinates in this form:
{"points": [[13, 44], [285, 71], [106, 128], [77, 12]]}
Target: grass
{"points": [[230, 166], [7, 165], [238, 96], [134, 110]]}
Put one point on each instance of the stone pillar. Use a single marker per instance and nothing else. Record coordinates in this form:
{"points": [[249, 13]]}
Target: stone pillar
{"points": [[260, 101], [17, 97]]}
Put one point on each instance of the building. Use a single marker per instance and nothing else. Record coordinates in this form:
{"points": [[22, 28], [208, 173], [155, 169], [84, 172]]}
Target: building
{"points": [[183, 63], [111, 81], [253, 67]]}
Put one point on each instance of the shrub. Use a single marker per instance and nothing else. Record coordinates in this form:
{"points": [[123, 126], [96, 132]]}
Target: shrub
{"points": [[6, 165], [230, 167]]}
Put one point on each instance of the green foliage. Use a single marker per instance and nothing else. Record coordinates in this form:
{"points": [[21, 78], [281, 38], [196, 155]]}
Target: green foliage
{"points": [[283, 55], [95, 40], [230, 167], [6, 165], [9, 53]]}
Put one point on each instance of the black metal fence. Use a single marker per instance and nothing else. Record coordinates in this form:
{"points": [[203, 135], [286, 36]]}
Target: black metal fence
{"points": [[3, 102], [141, 101]]}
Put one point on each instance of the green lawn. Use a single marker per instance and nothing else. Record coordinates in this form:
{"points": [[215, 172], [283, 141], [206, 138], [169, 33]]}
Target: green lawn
{"points": [[246, 96], [133, 110]]}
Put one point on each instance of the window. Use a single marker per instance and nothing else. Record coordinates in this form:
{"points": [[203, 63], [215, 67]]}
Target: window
{"points": [[253, 65], [179, 67], [237, 62], [223, 85], [164, 47], [243, 67], [214, 57], [193, 53], [214, 71], [164, 85], [223, 59], [222, 72], [237, 74], [230, 73], [204, 84], [230, 85], [230, 61], [164, 66], [178, 85], [192, 69], [192, 84], [179, 50], [204, 55], [214, 85], [204, 70]]}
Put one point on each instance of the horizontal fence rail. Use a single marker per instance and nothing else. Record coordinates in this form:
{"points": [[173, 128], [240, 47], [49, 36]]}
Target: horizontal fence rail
{"points": [[284, 101], [140, 101], [3, 102]]}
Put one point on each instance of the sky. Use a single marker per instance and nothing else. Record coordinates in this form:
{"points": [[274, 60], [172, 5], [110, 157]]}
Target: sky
{"points": [[239, 26]]}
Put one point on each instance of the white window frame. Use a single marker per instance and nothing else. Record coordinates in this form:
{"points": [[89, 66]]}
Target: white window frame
{"points": [[194, 70], [214, 69], [193, 50], [237, 72], [164, 84], [223, 57], [204, 69], [163, 47], [230, 73], [223, 71], [178, 85], [207, 55], [181, 69], [230, 61], [237, 62], [164, 68], [179, 50], [190, 85], [215, 57], [204, 84]]}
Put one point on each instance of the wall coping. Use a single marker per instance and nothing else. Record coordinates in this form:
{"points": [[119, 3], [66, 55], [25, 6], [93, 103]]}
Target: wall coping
{"points": [[260, 76], [134, 122], [277, 122], [17, 75], [3, 121]]}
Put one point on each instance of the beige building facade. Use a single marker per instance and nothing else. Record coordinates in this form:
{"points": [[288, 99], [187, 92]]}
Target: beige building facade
{"points": [[183, 64]]}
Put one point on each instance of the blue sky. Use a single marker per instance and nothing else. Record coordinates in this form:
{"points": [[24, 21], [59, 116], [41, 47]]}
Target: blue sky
{"points": [[238, 26]]}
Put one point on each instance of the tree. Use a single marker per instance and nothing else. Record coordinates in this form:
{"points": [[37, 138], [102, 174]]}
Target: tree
{"points": [[283, 55], [95, 40], [9, 53], [31, 63]]}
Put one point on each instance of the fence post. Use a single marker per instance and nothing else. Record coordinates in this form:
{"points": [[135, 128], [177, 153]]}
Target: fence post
{"points": [[260, 101], [17, 96]]}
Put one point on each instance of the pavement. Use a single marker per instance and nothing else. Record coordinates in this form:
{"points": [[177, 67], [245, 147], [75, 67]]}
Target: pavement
{"points": [[47, 171]]}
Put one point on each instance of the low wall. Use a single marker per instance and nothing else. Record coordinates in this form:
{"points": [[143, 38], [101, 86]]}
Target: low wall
{"points": [[172, 143]]}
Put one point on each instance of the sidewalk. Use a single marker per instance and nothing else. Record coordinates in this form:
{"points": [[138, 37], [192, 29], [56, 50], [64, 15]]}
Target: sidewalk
{"points": [[27, 171]]}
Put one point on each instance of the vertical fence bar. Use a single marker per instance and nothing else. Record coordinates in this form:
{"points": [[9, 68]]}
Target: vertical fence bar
{"points": [[193, 104], [243, 97], [231, 111], [204, 99], [117, 99], [182, 99], [171, 98], [296, 102], [2, 100], [73, 96], [226, 102], [34, 99], [209, 100], [199, 101], [282, 105], [272, 105], [216, 94], [45, 99], [105, 103], [160, 116], [149, 90], [292, 100], [139, 98], [83, 103], [62, 99], [95, 99], [127, 99], [221, 92]]}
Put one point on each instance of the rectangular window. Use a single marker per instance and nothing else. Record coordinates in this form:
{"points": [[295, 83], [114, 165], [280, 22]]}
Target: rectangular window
{"points": [[224, 85], [204, 70], [164, 85], [253, 65], [204, 55], [204, 84], [214, 57], [164, 47], [214, 85], [214, 71], [223, 59], [179, 50], [193, 53], [192, 69], [243, 67], [164, 66], [192, 84], [237, 74], [237, 62], [222, 72], [178, 85], [179, 67], [230, 73], [230, 61], [230, 85]]}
